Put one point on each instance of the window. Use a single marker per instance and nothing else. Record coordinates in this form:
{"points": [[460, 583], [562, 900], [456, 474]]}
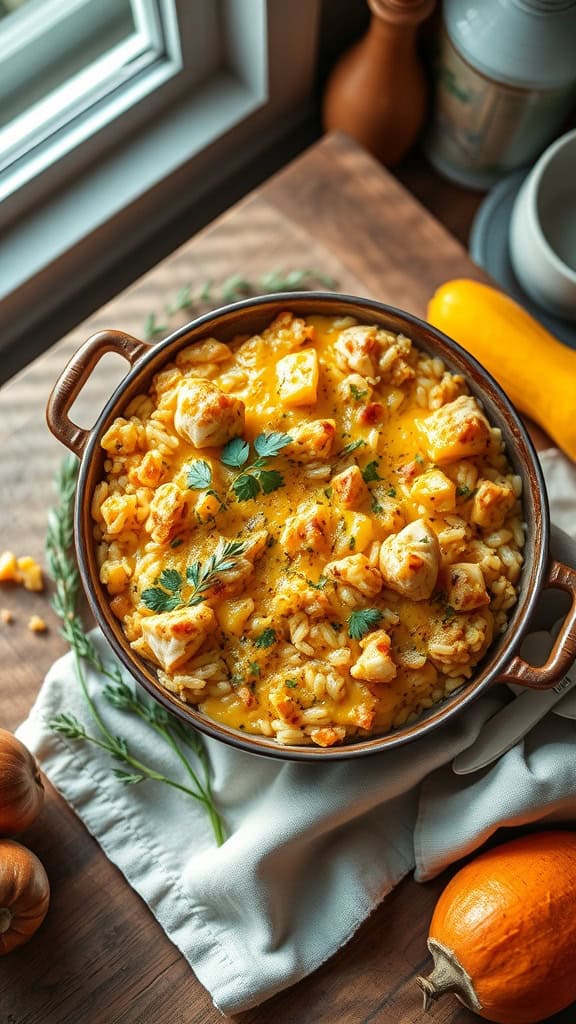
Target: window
{"points": [[77, 71], [118, 114]]}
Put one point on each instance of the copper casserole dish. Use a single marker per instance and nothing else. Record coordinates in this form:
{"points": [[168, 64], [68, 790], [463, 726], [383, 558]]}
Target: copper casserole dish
{"points": [[501, 664]]}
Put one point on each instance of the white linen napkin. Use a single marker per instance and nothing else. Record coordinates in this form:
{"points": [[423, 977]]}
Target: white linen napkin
{"points": [[312, 849]]}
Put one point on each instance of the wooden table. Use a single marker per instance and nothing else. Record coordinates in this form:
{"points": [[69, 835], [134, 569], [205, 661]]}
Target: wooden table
{"points": [[100, 955]]}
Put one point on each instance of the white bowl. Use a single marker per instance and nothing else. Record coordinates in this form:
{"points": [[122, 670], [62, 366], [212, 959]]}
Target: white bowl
{"points": [[543, 230]]}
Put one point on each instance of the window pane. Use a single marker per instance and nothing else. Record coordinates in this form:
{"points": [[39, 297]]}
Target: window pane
{"points": [[45, 44]]}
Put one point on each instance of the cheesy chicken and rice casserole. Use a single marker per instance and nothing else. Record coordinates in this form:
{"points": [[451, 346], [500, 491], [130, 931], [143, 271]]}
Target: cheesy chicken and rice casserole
{"points": [[314, 533]]}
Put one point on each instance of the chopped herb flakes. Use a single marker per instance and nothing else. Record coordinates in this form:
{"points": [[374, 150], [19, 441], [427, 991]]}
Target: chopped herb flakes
{"points": [[356, 393], [363, 621], [266, 639], [370, 472], [352, 446]]}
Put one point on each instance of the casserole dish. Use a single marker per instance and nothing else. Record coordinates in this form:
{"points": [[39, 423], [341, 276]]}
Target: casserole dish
{"points": [[501, 662]]}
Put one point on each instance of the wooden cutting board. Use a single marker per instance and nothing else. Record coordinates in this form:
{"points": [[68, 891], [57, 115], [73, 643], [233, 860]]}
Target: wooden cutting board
{"points": [[100, 957]]}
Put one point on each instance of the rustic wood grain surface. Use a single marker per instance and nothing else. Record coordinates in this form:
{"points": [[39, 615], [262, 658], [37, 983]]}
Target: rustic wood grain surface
{"points": [[100, 957]]}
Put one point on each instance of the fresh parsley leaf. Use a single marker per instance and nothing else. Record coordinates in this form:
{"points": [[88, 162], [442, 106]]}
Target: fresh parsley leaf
{"points": [[290, 683], [370, 472], [391, 492], [245, 487], [465, 492], [375, 506], [352, 446], [170, 579], [199, 475], [158, 600], [266, 639], [357, 395], [363, 621], [270, 480], [235, 452], [268, 445]]}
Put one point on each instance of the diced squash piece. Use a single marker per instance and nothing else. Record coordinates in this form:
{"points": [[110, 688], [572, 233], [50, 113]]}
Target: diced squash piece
{"points": [[9, 568], [458, 430], [354, 535], [434, 490], [297, 375], [234, 613]]}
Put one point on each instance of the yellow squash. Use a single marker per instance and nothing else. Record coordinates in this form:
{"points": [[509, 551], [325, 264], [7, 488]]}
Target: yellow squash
{"points": [[536, 370]]}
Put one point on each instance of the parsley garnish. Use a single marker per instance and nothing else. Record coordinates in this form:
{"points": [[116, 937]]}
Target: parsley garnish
{"points": [[235, 452], [169, 594], [290, 683], [322, 581], [254, 668], [266, 639], [370, 472], [376, 507], [363, 621], [391, 492], [255, 478], [199, 475], [357, 395], [418, 458]]}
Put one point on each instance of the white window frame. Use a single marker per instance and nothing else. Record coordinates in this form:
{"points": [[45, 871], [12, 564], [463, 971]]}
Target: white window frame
{"points": [[127, 192]]}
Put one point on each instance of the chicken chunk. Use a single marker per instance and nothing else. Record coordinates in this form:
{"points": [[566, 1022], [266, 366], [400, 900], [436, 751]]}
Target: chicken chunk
{"points": [[348, 488], [297, 376], [375, 664], [208, 351], [409, 561], [173, 637], [466, 587], [311, 440], [461, 642], [167, 512], [205, 416], [355, 571], [492, 503], [308, 530], [357, 350], [355, 389], [457, 430]]}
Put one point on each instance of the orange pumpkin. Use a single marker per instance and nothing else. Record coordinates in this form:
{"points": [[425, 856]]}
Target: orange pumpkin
{"points": [[503, 934]]}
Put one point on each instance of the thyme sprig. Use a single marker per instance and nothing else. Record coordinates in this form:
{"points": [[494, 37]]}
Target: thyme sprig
{"points": [[64, 572], [200, 577], [235, 287]]}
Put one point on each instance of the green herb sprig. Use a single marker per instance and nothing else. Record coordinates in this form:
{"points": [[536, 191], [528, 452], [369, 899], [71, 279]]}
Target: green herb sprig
{"points": [[199, 577], [235, 287], [255, 477], [66, 580]]}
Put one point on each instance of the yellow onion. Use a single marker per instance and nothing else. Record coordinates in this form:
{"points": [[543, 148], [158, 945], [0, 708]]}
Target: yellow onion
{"points": [[21, 789], [24, 895]]}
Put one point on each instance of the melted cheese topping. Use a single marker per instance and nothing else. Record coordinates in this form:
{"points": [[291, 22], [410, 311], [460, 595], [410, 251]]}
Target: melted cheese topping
{"points": [[377, 551]]}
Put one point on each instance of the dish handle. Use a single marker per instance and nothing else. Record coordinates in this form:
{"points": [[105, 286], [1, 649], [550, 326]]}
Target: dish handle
{"points": [[563, 653], [74, 376]]}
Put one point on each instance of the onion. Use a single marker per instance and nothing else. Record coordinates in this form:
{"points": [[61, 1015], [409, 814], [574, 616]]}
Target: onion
{"points": [[21, 789]]}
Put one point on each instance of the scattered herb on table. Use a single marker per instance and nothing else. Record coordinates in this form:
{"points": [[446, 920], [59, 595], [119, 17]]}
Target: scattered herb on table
{"points": [[363, 621], [236, 286], [174, 733]]}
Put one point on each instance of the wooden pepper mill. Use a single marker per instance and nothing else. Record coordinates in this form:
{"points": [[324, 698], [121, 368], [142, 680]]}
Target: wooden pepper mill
{"points": [[377, 91]]}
